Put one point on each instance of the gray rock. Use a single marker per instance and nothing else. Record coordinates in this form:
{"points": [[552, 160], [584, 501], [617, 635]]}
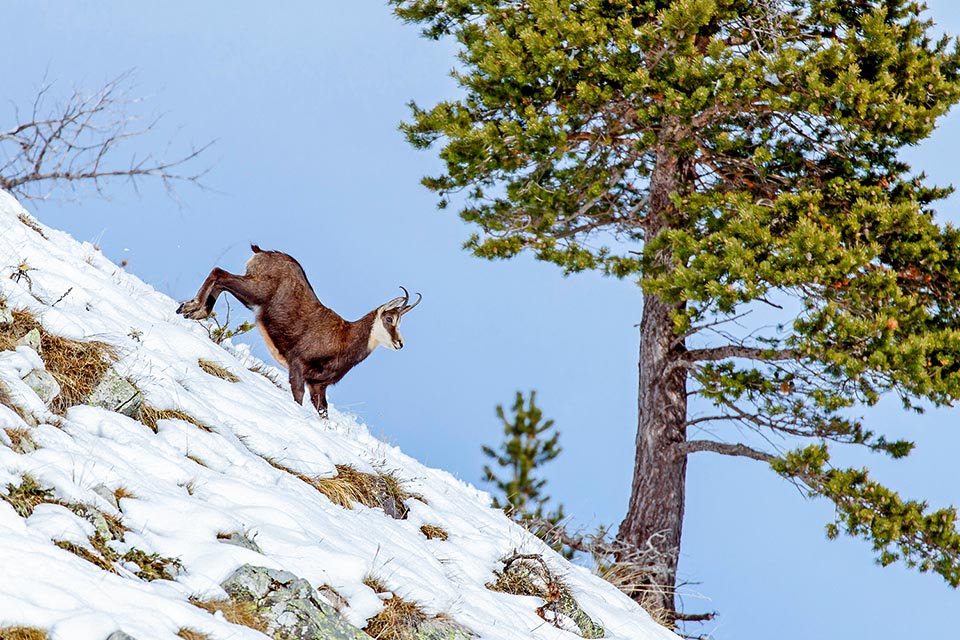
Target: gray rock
{"points": [[98, 520], [120, 635], [388, 503], [31, 339], [107, 494], [290, 605], [43, 384], [442, 629], [240, 540], [6, 317], [116, 394]]}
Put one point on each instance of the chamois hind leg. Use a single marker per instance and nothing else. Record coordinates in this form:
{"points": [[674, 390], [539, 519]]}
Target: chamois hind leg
{"points": [[244, 289], [318, 395]]}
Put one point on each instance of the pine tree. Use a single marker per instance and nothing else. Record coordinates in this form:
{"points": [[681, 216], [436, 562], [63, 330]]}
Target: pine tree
{"points": [[526, 447], [730, 157]]}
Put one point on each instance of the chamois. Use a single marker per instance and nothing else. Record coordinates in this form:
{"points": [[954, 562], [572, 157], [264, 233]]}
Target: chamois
{"points": [[312, 342]]}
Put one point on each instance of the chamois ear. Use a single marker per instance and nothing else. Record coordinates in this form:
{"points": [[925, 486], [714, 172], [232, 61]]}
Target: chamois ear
{"points": [[396, 302]]}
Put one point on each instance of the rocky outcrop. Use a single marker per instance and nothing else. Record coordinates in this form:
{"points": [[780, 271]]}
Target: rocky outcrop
{"points": [[115, 393], [292, 607]]}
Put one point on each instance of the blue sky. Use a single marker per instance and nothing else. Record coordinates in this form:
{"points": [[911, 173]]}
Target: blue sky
{"points": [[304, 99]]}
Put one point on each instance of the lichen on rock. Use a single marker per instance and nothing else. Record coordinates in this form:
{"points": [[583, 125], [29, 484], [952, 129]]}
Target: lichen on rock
{"points": [[292, 607]]}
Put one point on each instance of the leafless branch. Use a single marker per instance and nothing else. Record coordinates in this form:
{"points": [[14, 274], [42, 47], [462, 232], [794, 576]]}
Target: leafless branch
{"points": [[737, 351], [78, 142], [693, 446]]}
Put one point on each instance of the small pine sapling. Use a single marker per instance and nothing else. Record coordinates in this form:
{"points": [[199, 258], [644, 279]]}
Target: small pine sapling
{"points": [[529, 442]]}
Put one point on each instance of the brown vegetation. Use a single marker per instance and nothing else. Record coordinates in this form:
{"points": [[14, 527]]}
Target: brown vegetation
{"points": [[244, 613], [76, 366], [22, 633], [150, 416], [217, 371], [433, 532]]}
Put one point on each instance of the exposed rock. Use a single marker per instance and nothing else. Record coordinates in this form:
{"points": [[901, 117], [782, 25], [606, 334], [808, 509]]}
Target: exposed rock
{"points": [[291, 605], [116, 394], [6, 317], [107, 494], [120, 635], [31, 339], [387, 502], [240, 540], [43, 384], [105, 529], [441, 628]]}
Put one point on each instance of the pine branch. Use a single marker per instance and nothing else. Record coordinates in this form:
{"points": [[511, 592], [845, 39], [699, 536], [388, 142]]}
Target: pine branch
{"points": [[738, 351], [723, 448]]}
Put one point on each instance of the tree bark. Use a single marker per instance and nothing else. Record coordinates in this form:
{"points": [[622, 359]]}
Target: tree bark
{"points": [[654, 518]]}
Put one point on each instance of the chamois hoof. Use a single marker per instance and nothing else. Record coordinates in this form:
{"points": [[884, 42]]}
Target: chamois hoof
{"points": [[192, 309]]}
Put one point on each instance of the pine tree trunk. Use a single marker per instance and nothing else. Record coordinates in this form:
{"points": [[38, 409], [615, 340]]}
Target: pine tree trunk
{"points": [[654, 519]]}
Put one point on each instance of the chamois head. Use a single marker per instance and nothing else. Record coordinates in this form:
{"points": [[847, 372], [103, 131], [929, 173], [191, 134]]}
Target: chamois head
{"points": [[386, 322]]}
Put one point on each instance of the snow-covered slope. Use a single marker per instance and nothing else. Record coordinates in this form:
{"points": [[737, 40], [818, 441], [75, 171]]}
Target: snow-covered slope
{"points": [[182, 486]]}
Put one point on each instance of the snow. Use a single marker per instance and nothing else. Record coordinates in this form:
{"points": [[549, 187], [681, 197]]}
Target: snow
{"points": [[177, 506]]}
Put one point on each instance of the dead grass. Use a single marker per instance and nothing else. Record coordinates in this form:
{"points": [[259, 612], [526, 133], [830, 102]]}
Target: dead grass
{"points": [[76, 366], [398, 620], [88, 555], [152, 566], [20, 440], [217, 371], [199, 461], [351, 485], [244, 613], [192, 634], [150, 416], [266, 373], [25, 219], [122, 492], [22, 633], [433, 532], [25, 497]]}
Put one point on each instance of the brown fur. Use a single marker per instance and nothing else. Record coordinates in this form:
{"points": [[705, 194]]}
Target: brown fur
{"points": [[315, 344]]}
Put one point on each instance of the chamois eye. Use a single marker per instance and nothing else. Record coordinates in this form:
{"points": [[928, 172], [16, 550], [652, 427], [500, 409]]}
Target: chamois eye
{"points": [[388, 319]]}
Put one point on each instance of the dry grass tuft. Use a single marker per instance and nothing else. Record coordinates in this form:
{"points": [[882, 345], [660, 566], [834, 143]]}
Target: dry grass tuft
{"points": [[150, 416], [338, 601], [351, 485], [192, 634], [266, 373], [122, 492], [217, 371], [244, 613], [99, 560], [20, 440], [22, 633], [25, 219], [398, 620], [434, 532], [25, 497], [152, 566], [76, 366]]}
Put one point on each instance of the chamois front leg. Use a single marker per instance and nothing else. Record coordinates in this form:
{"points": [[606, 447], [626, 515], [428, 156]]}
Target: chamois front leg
{"points": [[244, 289], [296, 379], [318, 395]]}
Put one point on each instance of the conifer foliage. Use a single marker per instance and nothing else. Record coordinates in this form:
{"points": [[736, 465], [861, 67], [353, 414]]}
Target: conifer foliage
{"points": [[738, 160], [528, 444]]}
